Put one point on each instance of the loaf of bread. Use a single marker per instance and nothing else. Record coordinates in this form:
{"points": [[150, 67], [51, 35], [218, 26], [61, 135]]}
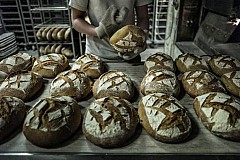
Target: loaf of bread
{"points": [[231, 81], [219, 113], [44, 33], [164, 118], [51, 121], [55, 32], [113, 83], [109, 122], [47, 49], [58, 49], [39, 33], [16, 63], [50, 65], [159, 61], [200, 82], [49, 34], [190, 62], [42, 50], [61, 33], [67, 51], [163, 81], [128, 39], [221, 64], [89, 64], [67, 34], [53, 48], [22, 85], [71, 83], [12, 114]]}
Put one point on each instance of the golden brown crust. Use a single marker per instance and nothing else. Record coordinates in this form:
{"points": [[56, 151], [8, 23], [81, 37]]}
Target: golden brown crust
{"points": [[52, 121], [231, 80]]}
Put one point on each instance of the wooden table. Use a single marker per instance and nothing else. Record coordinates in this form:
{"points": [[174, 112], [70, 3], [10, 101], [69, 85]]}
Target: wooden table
{"points": [[200, 145]]}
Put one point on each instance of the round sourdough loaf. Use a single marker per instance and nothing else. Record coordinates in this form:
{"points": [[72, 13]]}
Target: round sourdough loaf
{"points": [[199, 82], [89, 64], [113, 83], [71, 83], [21, 85], [12, 114], [164, 81], [51, 121], [15, 63], [190, 62], [159, 61], [164, 118], [222, 64], [219, 113], [128, 39], [231, 80], [109, 122], [50, 65]]}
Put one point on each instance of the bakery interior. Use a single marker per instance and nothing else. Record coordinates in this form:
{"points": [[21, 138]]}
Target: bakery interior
{"points": [[202, 29]]}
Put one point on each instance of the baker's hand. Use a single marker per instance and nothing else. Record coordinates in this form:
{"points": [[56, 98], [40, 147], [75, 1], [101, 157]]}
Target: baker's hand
{"points": [[111, 21], [135, 53]]}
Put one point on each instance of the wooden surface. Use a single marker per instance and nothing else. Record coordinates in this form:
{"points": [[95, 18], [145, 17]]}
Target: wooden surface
{"points": [[201, 140]]}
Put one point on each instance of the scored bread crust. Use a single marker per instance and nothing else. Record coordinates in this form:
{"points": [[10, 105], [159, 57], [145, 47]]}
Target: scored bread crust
{"points": [[50, 65], [89, 64], [219, 113], [221, 64], [113, 83], [71, 83], [109, 122], [161, 80], [231, 80], [199, 82], [128, 38], [190, 62], [51, 121], [22, 85], [164, 118], [12, 114], [159, 61]]}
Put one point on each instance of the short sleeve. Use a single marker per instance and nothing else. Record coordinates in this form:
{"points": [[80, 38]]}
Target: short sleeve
{"points": [[81, 5], [143, 2]]}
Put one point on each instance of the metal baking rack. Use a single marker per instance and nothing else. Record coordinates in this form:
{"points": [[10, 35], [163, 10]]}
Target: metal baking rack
{"points": [[47, 13]]}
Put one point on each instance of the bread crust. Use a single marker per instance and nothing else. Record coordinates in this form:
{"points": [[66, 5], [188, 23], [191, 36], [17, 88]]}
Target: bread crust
{"points": [[231, 81]]}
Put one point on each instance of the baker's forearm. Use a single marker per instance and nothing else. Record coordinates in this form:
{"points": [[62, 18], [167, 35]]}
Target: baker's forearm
{"points": [[83, 26]]}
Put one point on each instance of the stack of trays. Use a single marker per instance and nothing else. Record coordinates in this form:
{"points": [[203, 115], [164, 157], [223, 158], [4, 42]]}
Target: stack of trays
{"points": [[8, 45]]}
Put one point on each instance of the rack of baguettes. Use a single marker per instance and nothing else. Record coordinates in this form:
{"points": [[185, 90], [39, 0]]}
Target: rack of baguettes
{"points": [[52, 27]]}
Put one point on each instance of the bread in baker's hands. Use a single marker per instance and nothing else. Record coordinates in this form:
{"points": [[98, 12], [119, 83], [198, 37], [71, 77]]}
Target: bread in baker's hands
{"points": [[15, 63], [129, 40], [109, 122], [159, 61], [73, 83], [50, 65], [51, 121], [221, 64], [113, 83], [23, 85], [219, 113], [12, 114], [190, 62], [199, 82], [164, 118], [89, 64]]}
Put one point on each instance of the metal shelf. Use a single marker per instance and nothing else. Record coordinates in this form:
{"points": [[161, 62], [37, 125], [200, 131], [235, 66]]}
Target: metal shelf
{"points": [[50, 9]]}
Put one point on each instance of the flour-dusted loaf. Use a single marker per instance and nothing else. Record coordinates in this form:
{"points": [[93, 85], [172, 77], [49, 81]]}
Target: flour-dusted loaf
{"points": [[109, 122], [231, 80], [50, 65], [159, 61], [164, 81], [113, 83], [221, 64], [71, 83], [189, 62], [164, 118], [12, 114], [51, 121], [199, 82], [15, 63], [128, 38], [219, 113], [22, 85], [89, 64]]}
